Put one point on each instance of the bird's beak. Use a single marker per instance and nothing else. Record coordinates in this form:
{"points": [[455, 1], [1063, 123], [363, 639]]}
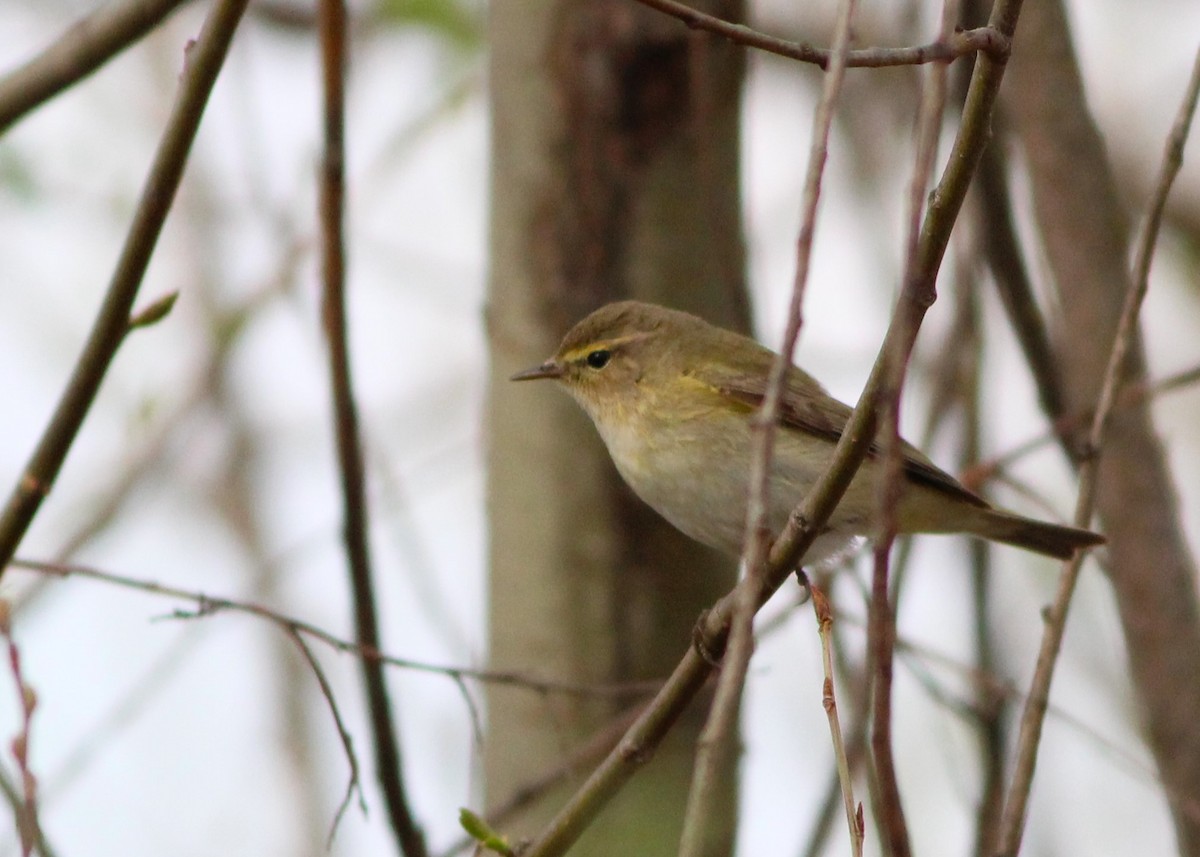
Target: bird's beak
{"points": [[549, 369]]}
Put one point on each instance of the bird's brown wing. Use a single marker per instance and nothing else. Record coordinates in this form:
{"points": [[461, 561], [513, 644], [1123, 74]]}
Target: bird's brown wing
{"points": [[806, 407]]}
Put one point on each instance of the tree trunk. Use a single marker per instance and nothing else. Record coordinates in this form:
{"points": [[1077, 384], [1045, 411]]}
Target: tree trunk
{"points": [[615, 174]]}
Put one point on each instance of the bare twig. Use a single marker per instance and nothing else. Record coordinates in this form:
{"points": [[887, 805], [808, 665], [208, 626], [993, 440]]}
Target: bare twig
{"points": [[354, 786], [1033, 716], [89, 43], [1084, 231], [208, 605], [203, 61], [824, 614], [987, 705], [952, 46], [714, 756], [14, 800], [854, 744], [881, 631], [332, 29], [947, 391], [27, 814]]}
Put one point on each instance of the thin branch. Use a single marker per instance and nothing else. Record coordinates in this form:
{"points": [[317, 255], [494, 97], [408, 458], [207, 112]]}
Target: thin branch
{"points": [[881, 630], [27, 809], [988, 40], [855, 745], [945, 392], [331, 192], [805, 523], [987, 706], [14, 800], [714, 757], [824, 614], [208, 605], [354, 786], [1033, 717], [88, 44], [203, 61]]}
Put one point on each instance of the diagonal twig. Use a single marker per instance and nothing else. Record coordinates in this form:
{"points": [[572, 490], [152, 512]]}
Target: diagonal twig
{"points": [[354, 785], [89, 43], [203, 61], [854, 818]]}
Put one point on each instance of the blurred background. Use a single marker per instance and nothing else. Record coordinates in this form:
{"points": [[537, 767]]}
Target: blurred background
{"points": [[207, 462]]}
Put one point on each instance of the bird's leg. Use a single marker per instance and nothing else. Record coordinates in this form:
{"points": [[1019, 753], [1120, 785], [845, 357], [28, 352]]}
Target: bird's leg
{"points": [[805, 585]]}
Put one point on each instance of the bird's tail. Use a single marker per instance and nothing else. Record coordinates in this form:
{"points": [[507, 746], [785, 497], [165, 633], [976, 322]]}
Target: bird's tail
{"points": [[1053, 540]]}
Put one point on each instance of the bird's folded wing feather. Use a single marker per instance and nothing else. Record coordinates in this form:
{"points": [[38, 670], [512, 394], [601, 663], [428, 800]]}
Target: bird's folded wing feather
{"points": [[806, 407]]}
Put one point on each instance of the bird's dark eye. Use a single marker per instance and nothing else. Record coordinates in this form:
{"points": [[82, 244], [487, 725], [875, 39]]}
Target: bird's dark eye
{"points": [[599, 358]]}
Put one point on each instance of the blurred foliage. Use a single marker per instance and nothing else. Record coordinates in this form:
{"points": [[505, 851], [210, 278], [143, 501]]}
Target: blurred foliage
{"points": [[16, 175], [459, 22]]}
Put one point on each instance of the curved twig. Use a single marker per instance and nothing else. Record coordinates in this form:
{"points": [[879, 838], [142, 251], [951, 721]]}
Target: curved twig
{"points": [[988, 40]]}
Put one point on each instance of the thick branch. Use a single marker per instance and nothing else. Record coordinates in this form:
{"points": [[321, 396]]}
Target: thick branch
{"points": [[92, 41]]}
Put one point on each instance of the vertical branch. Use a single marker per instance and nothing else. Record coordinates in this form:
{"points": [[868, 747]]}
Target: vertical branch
{"points": [[854, 741], [988, 705], [854, 818], [27, 807], [1034, 714], [202, 62], [332, 29], [881, 628], [714, 757]]}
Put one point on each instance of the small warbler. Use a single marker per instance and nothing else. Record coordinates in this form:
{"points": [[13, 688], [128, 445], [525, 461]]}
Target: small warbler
{"points": [[673, 396]]}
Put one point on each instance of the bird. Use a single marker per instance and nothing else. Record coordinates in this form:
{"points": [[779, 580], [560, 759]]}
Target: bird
{"points": [[673, 397]]}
